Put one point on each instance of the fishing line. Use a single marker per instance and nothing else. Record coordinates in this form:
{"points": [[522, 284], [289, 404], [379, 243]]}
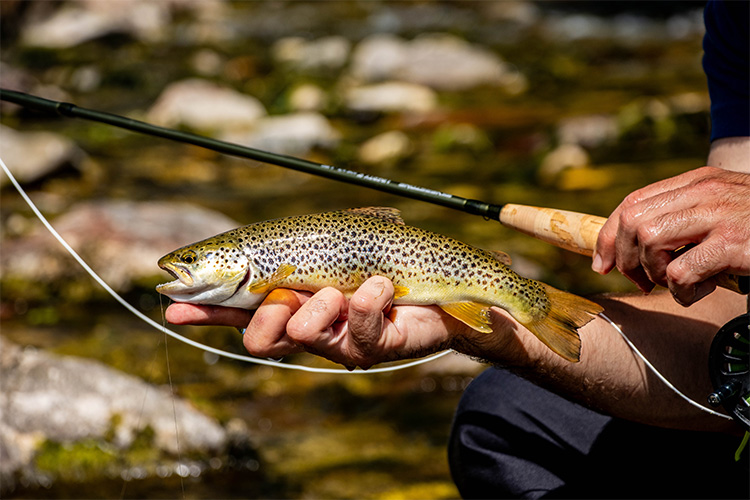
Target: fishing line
{"points": [[658, 374], [174, 413], [171, 392], [176, 335]]}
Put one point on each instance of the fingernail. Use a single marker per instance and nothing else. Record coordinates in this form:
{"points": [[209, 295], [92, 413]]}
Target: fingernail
{"points": [[702, 289], [598, 264], [683, 296]]}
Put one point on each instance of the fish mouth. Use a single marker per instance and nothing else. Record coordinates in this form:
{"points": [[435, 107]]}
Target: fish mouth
{"points": [[183, 278]]}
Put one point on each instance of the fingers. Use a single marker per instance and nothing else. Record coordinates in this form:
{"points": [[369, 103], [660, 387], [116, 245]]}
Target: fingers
{"points": [[366, 330], [367, 309], [265, 335], [349, 332], [696, 208], [689, 276], [192, 314], [628, 212]]}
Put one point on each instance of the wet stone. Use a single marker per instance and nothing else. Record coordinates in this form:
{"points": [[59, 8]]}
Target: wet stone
{"points": [[64, 399], [121, 240]]}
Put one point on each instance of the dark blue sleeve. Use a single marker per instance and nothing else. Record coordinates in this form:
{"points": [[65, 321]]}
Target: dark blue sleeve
{"points": [[726, 61]]}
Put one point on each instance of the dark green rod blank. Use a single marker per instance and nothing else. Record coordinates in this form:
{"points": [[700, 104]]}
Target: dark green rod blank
{"points": [[65, 109]]}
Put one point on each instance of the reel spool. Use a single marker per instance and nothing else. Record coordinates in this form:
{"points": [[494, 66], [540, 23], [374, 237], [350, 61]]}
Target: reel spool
{"points": [[729, 369]]}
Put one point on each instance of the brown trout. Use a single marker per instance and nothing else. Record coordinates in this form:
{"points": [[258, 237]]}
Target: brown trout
{"points": [[342, 249]]}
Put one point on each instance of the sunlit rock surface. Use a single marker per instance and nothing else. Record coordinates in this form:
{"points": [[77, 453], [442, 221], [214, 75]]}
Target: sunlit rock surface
{"points": [[292, 134], [64, 399], [121, 240], [33, 155], [424, 60], [205, 106]]}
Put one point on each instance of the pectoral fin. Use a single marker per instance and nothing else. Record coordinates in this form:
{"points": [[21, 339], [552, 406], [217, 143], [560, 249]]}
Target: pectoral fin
{"points": [[267, 284], [400, 291], [473, 314]]}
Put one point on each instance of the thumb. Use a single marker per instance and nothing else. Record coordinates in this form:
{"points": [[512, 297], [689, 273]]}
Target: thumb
{"points": [[367, 308]]}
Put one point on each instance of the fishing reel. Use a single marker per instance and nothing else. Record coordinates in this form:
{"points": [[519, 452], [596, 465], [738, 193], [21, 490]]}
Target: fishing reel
{"points": [[729, 369]]}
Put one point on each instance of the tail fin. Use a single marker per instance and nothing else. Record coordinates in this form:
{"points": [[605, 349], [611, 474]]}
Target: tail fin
{"points": [[558, 329]]}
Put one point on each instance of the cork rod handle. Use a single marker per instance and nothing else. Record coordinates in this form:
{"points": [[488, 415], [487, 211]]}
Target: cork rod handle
{"points": [[578, 232], [572, 231]]}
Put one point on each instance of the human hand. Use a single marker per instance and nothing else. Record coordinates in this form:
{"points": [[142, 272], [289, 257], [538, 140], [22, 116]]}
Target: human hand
{"points": [[360, 332], [708, 207]]}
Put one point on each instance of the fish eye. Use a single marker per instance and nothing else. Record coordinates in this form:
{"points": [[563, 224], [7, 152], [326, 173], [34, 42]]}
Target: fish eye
{"points": [[188, 257]]}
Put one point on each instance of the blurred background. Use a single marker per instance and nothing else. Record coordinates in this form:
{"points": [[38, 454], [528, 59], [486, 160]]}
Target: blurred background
{"points": [[568, 105]]}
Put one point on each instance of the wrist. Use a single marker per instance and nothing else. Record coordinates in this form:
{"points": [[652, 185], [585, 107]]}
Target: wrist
{"points": [[504, 346]]}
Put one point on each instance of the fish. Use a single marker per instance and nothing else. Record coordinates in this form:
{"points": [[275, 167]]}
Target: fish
{"points": [[343, 248]]}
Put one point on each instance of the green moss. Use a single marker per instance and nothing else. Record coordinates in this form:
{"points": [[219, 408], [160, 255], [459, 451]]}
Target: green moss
{"points": [[76, 462], [92, 459]]}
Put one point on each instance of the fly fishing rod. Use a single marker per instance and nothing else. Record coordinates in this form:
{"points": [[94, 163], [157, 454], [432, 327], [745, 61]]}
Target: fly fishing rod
{"points": [[572, 231]]}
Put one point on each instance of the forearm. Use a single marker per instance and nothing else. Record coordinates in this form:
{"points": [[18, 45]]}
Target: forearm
{"points": [[731, 153], [610, 378]]}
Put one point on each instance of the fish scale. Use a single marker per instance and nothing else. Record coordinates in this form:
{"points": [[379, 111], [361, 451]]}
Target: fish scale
{"points": [[344, 248]]}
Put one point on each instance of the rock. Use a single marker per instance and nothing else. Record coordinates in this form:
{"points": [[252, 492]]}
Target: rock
{"points": [[391, 97], [293, 134], [424, 60], [207, 62], [324, 54], [81, 21], [388, 148], [588, 131], [561, 158], [307, 97], [19, 79], [205, 106], [65, 399], [379, 57], [31, 156], [73, 23], [121, 240]]}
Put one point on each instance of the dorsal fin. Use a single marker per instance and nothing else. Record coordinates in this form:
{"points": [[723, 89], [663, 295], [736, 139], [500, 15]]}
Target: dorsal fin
{"points": [[388, 214], [502, 257]]}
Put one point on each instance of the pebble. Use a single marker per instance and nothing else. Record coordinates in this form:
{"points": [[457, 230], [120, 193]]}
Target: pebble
{"points": [[589, 131], [307, 97], [78, 22], [563, 157], [324, 54], [51, 152], [424, 61], [144, 231], [205, 106], [67, 399], [386, 148], [292, 134], [391, 97]]}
